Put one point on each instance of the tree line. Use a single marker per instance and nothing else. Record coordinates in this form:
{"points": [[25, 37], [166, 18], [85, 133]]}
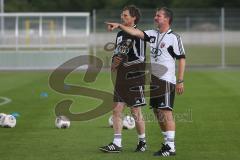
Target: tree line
{"points": [[89, 5]]}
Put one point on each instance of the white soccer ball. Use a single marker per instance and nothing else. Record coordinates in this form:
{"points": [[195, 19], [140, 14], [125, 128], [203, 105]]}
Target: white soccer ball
{"points": [[9, 121], [62, 122], [128, 122], [110, 121], [2, 117]]}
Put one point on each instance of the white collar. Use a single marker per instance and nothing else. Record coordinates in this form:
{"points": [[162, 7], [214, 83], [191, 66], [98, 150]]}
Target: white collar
{"points": [[168, 31]]}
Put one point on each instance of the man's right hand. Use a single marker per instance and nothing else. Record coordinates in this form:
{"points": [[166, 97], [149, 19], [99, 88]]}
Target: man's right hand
{"points": [[112, 26], [116, 61]]}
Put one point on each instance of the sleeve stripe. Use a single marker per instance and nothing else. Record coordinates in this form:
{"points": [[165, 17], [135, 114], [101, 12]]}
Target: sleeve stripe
{"points": [[142, 50], [139, 49], [180, 46], [135, 48]]}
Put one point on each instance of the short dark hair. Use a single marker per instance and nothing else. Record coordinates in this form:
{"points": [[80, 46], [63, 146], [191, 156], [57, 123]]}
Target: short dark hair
{"points": [[168, 13], [134, 12]]}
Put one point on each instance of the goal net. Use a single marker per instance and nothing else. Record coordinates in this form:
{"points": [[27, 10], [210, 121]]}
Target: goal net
{"points": [[42, 40]]}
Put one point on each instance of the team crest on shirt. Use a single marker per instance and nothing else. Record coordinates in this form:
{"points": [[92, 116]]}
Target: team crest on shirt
{"points": [[152, 39], [123, 46], [162, 45]]}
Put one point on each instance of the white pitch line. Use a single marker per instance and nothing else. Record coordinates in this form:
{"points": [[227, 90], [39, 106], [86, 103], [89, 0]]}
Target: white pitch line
{"points": [[5, 101]]}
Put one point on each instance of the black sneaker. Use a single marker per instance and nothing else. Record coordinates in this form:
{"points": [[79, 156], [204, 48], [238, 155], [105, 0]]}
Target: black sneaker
{"points": [[141, 147], [165, 151], [111, 148]]}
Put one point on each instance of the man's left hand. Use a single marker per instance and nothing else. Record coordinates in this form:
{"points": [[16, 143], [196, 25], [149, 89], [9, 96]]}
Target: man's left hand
{"points": [[179, 88]]}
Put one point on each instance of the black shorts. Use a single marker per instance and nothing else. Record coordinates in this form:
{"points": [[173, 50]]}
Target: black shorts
{"points": [[132, 98], [129, 88], [162, 94]]}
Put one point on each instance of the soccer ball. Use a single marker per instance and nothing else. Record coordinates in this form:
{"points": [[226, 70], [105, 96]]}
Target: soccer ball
{"points": [[62, 122], [9, 121], [128, 122], [110, 121], [2, 117]]}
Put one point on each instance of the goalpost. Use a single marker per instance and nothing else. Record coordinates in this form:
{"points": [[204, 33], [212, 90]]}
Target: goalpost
{"points": [[51, 26], [38, 25], [42, 40]]}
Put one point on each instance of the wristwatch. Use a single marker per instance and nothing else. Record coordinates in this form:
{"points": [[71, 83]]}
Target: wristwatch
{"points": [[180, 81]]}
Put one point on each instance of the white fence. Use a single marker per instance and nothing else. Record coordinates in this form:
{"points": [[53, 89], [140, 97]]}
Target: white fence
{"points": [[210, 36], [42, 40], [44, 30], [46, 40]]}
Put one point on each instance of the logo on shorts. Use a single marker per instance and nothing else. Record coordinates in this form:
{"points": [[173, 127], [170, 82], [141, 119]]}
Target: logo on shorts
{"points": [[138, 101]]}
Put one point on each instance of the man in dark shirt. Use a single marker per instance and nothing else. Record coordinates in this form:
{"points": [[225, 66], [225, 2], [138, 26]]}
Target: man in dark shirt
{"points": [[129, 51]]}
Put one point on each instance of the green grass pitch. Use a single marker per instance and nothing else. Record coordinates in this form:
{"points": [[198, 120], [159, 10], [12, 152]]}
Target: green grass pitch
{"points": [[197, 55], [207, 118]]}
